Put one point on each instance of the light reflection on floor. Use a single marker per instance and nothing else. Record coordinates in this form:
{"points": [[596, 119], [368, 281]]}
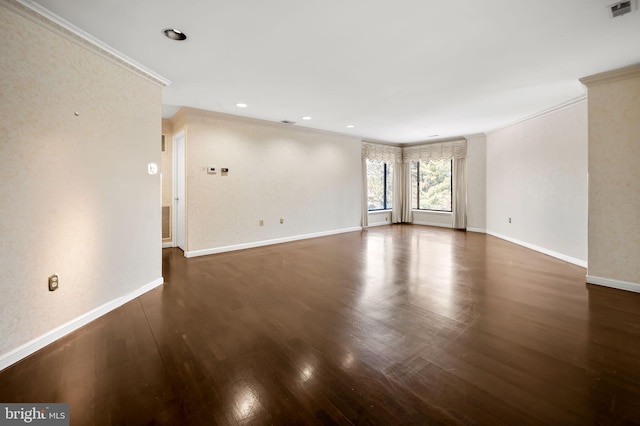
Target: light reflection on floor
{"points": [[423, 277], [306, 373], [246, 404], [348, 360], [378, 268], [430, 290]]}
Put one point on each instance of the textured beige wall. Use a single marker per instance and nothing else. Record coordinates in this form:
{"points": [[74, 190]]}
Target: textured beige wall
{"points": [[179, 121], [310, 178], [537, 175], [76, 196], [614, 179], [167, 163]]}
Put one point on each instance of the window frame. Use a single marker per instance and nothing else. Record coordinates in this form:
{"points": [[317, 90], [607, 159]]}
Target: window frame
{"points": [[418, 188]]}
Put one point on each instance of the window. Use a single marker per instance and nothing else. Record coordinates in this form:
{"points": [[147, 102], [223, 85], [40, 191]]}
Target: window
{"points": [[431, 185], [379, 185]]}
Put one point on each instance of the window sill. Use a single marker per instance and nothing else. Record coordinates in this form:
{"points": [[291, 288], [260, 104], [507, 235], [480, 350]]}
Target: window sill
{"points": [[433, 212], [379, 211]]}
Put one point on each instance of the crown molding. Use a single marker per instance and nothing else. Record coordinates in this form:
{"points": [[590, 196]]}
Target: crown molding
{"points": [[45, 18], [612, 76], [187, 113], [542, 113], [373, 141], [434, 141]]}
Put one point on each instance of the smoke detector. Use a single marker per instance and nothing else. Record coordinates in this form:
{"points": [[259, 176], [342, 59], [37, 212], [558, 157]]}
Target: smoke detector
{"points": [[622, 8]]}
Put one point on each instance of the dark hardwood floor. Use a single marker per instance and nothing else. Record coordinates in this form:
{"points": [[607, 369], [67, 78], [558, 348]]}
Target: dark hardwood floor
{"points": [[394, 325]]}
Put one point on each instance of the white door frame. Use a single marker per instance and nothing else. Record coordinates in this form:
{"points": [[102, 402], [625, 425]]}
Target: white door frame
{"points": [[176, 181]]}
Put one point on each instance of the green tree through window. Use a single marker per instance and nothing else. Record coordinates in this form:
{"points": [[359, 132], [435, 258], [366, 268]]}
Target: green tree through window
{"points": [[431, 185], [379, 185]]}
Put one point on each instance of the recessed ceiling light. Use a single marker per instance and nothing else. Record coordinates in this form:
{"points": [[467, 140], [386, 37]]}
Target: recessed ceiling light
{"points": [[288, 122], [350, 126], [433, 136], [241, 105], [174, 34], [306, 117]]}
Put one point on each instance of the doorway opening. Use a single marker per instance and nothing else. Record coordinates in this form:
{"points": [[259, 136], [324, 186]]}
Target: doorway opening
{"points": [[179, 225]]}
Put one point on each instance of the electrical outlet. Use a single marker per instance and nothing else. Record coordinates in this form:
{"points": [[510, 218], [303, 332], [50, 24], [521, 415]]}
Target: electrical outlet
{"points": [[282, 220], [261, 222], [53, 282]]}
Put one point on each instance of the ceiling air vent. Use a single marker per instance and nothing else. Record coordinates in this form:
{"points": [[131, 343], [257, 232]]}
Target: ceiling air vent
{"points": [[621, 8]]}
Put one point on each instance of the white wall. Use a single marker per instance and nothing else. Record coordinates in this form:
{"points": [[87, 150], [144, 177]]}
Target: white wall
{"points": [[537, 175], [312, 179], [76, 196], [379, 218], [432, 218], [476, 183]]}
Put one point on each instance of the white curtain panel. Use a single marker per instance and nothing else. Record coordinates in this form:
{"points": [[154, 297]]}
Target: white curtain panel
{"points": [[407, 211], [396, 212], [459, 214], [365, 194]]}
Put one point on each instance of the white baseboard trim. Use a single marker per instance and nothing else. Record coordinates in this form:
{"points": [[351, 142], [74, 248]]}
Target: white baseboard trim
{"points": [[372, 225], [618, 284], [255, 244], [439, 225], [480, 230], [38, 343], [543, 250], [167, 245]]}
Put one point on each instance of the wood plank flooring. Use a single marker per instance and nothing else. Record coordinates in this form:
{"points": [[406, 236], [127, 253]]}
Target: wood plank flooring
{"points": [[393, 325]]}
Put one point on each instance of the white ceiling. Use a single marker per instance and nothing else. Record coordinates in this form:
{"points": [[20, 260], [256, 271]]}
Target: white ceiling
{"points": [[400, 71]]}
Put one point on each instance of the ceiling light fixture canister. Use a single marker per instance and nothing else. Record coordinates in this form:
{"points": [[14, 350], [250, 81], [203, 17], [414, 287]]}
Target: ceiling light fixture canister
{"points": [[174, 34]]}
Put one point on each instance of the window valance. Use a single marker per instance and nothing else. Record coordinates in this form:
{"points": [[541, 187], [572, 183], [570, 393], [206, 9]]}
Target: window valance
{"points": [[435, 151], [379, 152]]}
